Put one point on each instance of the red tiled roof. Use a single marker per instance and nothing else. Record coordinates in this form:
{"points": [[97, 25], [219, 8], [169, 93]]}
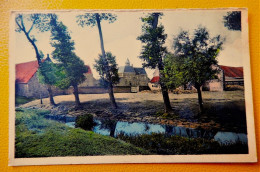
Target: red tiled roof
{"points": [[155, 79], [89, 70], [25, 71], [235, 72]]}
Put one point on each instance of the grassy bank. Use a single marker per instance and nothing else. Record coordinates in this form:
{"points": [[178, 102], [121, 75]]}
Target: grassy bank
{"points": [[39, 137], [19, 100], [177, 145]]}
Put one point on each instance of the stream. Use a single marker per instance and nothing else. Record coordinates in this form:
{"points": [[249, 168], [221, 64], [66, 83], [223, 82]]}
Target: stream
{"points": [[113, 128]]}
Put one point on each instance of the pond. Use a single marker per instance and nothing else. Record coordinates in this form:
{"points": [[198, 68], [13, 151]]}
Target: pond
{"points": [[113, 128]]}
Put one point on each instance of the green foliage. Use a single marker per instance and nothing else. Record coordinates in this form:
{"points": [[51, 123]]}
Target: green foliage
{"points": [[196, 56], [19, 100], [177, 145], [85, 122], [111, 67], [89, 19], [47, 73], [174, 71], [233, 20], [153, 39], [71, 68], [39, 137], [39, 21]]}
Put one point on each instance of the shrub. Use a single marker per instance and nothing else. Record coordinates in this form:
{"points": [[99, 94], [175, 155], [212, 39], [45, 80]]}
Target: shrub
{"points": [[85, 122]]}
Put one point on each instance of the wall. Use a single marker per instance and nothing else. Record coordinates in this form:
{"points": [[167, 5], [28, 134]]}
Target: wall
{"points": [[7, 5]]}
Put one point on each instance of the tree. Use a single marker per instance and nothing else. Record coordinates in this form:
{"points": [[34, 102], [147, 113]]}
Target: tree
{"points": [[94, 19], [47, 74], [233, 20], [40, 22], [199, 57], [174, 71], [153, 51], [71, 68], [112, 68]]}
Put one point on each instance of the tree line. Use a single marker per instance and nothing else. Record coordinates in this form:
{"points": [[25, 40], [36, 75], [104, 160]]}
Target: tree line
{"points": [[192, 61]]}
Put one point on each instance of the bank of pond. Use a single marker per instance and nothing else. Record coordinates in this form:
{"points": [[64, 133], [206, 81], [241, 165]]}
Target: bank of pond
{"points": [[41, 134]]}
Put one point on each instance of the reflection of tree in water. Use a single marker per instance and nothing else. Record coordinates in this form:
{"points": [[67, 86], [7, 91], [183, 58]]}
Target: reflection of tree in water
{"points": [[109, 125], [147, 127], [168, 130]]}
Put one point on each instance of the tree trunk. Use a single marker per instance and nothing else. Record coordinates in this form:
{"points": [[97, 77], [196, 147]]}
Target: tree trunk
{"points": [[50, 95], [110, 87], [166, 100], [76, 94], [199, 97], [111, 96]]}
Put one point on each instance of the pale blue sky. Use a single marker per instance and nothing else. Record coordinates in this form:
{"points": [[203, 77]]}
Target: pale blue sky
{"points": [[120, 37]]}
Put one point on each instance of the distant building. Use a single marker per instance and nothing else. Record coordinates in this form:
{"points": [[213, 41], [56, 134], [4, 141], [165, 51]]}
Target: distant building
{"points": [[27, 82], [227, 76], [154, 83], [90, 80], [132, 77]]}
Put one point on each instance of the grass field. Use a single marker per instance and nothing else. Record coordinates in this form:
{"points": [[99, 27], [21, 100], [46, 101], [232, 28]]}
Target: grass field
{"points": [[19, 100], [39, 137]]}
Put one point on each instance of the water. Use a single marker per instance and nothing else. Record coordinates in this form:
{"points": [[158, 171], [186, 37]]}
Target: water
{"points": [[113, 128]]}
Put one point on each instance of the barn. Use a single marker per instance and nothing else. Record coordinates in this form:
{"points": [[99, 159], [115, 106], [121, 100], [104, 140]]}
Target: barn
{"points": [[27, 82], [227, 75]]}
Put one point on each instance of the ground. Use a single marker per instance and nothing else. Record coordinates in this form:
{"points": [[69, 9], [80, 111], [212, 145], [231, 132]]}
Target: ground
{"points": [[224, 111]]}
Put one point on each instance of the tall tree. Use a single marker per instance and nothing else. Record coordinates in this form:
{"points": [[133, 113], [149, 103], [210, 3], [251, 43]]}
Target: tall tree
{"points": [[153, 52], [101, 67], [199, 57], [233, 20], [71, 67], [94, 19], [26, 23]]}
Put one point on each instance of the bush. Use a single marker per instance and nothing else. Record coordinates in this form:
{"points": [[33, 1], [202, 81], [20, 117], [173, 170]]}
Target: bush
{"points": [[85, 122], [159, 143]]}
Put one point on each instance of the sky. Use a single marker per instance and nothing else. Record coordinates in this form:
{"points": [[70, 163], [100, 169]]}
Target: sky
{"points": [[120, 37]]}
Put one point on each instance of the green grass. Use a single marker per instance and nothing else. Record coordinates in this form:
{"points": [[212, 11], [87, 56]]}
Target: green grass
{"points": [[177, 145], [19, 100], [39, 137]]}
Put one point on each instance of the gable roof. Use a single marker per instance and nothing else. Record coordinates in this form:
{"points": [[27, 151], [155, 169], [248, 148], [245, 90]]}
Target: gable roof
{"points": [[89, 70], [126, 69], [235, 72], [155, 79], [139, 71], [25, 71]]}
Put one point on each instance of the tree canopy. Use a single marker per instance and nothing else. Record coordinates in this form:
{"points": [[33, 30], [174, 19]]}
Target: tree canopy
{"points": [[100, 66], [154, 51], [153, 39], [197, 56], [233, 20], [71, 67], [89, 19], [39, 22], [94, 19]]}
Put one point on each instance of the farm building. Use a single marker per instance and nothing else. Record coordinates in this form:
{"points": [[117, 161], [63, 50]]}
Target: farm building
{"points": [[132, 78], [227, 76], [27, 82]]}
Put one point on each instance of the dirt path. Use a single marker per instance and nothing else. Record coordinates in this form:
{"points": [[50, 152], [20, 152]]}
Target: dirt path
{"points": [[224, 110]]}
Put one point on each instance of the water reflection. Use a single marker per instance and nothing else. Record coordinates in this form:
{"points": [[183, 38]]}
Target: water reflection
{"points": [[113, 128]]}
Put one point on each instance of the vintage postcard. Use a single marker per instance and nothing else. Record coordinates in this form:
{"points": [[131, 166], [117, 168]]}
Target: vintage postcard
{"points": [[130, 86]]}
